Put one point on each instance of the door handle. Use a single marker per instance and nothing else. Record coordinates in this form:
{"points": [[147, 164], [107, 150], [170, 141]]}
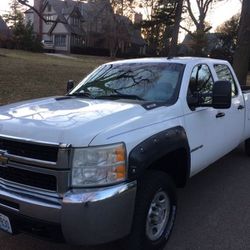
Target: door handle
{"points": [[241, 107], [220, 114]]}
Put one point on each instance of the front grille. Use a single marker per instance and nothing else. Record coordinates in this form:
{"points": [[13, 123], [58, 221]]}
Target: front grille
{"points": [[29, 150], [29, 178]]}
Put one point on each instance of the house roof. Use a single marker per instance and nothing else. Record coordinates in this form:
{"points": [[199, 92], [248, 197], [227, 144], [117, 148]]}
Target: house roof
{"points": [[4, 30], [91, 10], [3, 25], [134, 34], [213, 41], [64, 9]]}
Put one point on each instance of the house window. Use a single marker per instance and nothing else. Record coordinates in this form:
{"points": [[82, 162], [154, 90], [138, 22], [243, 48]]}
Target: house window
{"points": [[75, 21], [60, 40], [76, 40], [49, 19], [49, 8]]}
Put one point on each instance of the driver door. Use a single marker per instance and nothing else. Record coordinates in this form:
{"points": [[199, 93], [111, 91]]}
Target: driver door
{"points": [[204, 125]]}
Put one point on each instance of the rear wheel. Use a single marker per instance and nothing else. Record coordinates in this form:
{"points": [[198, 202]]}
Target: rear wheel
{"points": [[154, 212]]}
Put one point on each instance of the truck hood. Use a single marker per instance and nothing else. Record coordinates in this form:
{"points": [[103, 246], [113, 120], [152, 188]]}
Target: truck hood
{"points": [[73, 121]]}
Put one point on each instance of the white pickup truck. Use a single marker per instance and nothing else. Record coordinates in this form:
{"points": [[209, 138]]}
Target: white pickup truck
{"points": [[102, 163]]}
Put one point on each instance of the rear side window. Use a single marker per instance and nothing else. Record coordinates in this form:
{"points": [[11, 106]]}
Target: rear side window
{"points": [[224, 74]]}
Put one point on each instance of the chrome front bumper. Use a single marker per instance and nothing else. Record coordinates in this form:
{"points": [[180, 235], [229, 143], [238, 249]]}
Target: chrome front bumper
{"points": [[86, 216]]}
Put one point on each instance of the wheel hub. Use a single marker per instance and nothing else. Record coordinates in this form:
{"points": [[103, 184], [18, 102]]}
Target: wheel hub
{"points": [[158, 215]]}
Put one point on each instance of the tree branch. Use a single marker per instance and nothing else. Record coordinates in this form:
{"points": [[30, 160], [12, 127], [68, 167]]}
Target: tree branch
{"points": [[188, 31], [207, 29], [25, 3], [191, 13], [206, 6]]}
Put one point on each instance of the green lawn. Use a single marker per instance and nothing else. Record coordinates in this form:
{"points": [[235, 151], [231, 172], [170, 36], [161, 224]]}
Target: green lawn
{"points": [[25, 75]]}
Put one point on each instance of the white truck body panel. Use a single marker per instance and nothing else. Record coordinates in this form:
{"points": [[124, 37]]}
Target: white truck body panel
{"points": [[175, 136], [66, 121]]}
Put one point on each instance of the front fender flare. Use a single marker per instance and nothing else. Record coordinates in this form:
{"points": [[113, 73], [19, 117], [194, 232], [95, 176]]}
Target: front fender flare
{"points": [[156, 147]]}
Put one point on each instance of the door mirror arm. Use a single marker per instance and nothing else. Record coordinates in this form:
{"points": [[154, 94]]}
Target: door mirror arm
{"points": [[70, 85]]}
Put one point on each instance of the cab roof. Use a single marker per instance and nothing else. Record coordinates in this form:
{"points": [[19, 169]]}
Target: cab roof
{"points": [[181, 60]]}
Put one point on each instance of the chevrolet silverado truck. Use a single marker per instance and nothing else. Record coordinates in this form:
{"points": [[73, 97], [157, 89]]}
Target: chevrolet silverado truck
{"points": [[102, 163]]}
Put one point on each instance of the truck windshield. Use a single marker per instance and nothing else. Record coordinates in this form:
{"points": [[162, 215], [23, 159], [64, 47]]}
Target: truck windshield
{"points": [[154, 82]]}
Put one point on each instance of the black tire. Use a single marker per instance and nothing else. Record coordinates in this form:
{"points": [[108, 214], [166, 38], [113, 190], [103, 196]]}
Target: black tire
{"points": [[151, 187], [247, 147]]}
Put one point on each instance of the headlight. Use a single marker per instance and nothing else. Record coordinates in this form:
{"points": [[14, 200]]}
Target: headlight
{"points": [[95, 166]]}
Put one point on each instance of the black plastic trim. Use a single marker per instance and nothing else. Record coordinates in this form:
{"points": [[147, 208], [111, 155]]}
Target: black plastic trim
{"points": [[35, 227], [156, 147]]}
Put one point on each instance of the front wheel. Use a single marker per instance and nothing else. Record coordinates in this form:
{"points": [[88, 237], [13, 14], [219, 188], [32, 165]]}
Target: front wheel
{"points": [[247, 147], [154, 212]]}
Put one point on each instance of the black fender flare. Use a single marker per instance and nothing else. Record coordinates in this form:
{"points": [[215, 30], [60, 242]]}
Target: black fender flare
{"points": [[155, 147]]}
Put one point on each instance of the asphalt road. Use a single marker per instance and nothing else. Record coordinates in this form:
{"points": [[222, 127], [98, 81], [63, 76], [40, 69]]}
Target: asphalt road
{"points": [[213, 212]]}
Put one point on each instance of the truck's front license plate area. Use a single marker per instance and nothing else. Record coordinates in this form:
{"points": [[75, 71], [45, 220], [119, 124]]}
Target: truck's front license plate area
{"points": [[5, 223]]}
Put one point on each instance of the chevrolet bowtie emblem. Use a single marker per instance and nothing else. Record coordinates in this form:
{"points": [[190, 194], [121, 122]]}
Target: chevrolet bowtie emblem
{"points": [[3, 159]]}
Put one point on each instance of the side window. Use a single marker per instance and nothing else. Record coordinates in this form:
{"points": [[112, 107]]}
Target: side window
{"points": [[201, 81], [224, 73]]}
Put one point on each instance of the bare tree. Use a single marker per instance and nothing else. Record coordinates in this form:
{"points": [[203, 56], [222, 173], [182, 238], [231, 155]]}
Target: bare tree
{"points": [[38, 12], [203, 7], [242, 53], [175, 34], [199, 21]]}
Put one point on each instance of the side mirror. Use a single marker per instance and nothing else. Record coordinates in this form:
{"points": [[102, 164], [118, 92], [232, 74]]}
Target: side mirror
{"points": [[222, 95], [70, 85], [193, 100]]}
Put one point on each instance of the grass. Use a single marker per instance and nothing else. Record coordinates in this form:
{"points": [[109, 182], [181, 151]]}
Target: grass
{"points": [[25, 75]]}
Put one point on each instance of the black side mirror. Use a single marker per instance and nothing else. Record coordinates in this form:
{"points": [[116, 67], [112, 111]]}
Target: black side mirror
{"points": [[222, 95], [70, 85], [193, 100]]}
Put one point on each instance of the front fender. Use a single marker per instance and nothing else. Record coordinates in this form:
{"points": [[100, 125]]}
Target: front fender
{"points": [[155, 148]]}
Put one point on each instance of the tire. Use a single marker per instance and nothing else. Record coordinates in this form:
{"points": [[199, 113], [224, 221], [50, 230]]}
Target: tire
{"points": [[151, 230], [247, 147]]}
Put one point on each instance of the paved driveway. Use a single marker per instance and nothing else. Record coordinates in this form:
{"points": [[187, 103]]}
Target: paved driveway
{"points": [[213, 213]]}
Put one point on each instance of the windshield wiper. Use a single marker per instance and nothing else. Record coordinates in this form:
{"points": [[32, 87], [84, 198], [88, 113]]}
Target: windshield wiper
{"points": [[82, 94], [121, 96]]}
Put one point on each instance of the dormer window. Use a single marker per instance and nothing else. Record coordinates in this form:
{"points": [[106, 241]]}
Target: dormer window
{"points": [[49, 19], [75, 21]]}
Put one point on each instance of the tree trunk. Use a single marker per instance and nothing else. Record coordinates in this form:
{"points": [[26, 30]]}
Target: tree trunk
{"points": [[174, 41], [242, 53]]}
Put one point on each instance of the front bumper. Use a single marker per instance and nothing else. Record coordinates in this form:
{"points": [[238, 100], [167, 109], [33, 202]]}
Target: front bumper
{"points": [[84, 216]]}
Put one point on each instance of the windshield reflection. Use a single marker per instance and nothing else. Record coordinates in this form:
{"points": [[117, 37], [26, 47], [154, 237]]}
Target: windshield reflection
{"points": [[155, 82]]}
